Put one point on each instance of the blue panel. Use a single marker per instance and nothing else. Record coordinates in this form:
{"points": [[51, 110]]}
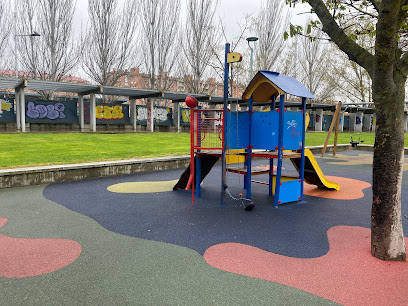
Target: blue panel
{"points": [[237, 132], [327, 119], [265, 130], [287, 84], [7, 110], [289, 191], [292, 130], [346, 123]]}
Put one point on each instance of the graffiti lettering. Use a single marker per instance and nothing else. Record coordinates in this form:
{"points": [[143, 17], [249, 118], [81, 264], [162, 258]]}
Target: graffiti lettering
{"points": [[109, 112], [51, 111], [292, 127], [358, 120], [185, 115], [292, 124], [159, 114], [4, 106]]}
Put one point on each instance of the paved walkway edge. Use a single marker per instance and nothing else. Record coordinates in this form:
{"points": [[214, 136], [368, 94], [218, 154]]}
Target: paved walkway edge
{"points": [[19, 177]]}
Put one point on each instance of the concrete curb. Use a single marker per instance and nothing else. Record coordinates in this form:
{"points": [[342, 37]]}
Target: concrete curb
{"points": [[63, 173], [19, 177]]}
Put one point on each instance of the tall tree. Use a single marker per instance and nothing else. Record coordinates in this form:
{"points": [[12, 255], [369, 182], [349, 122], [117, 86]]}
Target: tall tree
{"points": [[353, 81], [269, 25], [5, 30], [387, 66], [108, 46], [52, 55], [199, 40], [315, 65], [59, 54], [159, 38], [27, 21]]}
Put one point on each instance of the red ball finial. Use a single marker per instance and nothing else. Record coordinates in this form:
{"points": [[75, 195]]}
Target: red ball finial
{"points": [[191, 102]]}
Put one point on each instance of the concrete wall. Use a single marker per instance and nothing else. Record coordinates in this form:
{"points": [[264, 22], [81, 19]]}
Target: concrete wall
{"points": [[65, 173]]}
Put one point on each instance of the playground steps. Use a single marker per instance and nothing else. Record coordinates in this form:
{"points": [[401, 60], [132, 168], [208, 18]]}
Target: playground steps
{"points": [[274, 154], [243, 170]]}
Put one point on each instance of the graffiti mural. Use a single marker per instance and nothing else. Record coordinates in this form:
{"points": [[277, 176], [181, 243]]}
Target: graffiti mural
{"points": [[161, 115], [39, 111], [51, 111], [108, 113], [7, 110], [185, 116]]}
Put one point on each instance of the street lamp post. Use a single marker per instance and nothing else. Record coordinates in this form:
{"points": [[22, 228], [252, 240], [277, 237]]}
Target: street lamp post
{"points": [[19, 94], [253, 39], [34, 34]]}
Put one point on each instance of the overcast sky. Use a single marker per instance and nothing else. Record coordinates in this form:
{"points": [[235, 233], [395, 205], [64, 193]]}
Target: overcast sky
{"points": [[231, 11]]}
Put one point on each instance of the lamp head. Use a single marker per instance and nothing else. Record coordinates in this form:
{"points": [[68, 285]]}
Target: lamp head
{"points": [[252, 38]]}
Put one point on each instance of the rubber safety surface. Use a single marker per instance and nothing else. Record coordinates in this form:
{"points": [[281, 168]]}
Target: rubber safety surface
{"points": [[133, 240]]}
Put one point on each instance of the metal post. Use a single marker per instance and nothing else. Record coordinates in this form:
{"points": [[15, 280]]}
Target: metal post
{"points": [[276, 201], [302, 149], [92, 111], [273, 103], [251, 73], [81, 112], [34, 34], [133, 116], [249, 149], [22, 110], [18, 111], [253, 39], [176, 115], [225, 100]]}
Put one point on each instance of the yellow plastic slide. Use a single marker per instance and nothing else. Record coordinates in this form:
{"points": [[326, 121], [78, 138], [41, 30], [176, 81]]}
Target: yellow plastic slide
{"points": [[313, 173]]}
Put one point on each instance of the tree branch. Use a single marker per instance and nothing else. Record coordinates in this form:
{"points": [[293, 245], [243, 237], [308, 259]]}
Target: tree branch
{"points": [[355, 52], [375, 4]]}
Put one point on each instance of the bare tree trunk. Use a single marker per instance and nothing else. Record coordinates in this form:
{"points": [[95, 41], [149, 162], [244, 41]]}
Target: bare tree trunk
{"points": [[199, 41], [270, 28], [52, 55], [159, 37], [108, 46], [5, 30], [315, 65]]}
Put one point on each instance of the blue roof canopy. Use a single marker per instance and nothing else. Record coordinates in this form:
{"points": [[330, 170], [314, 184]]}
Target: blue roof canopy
{"points": [[266, 84]]}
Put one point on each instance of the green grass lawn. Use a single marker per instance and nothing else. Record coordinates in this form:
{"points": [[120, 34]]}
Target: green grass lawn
{"points": [[18, 150], [21, 150]]}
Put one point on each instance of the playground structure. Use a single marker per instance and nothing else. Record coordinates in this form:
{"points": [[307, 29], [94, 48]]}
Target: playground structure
{"points": [[275, 135]]}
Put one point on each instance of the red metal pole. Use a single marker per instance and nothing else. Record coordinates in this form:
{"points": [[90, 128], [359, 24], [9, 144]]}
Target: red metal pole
{"points": [[191, 103]]}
